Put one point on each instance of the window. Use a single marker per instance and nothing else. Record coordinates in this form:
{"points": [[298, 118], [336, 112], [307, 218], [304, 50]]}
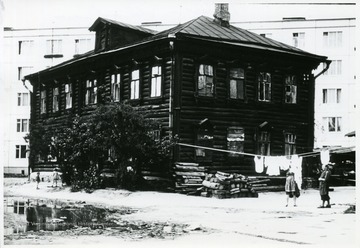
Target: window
{"points": [[82, 45], [23, 71], [22, 125], [264, 86], [332, 39], [54, 47], [335, 68], [299, 40], [155, 81], [135, 84], [204, 138], [290, 89], [205, 84], [21, 151], [55, 102], [23, 99], [267, 35], [264, 143], [235, 140], [43, 102], [331, 95], [237, 79], [68, 95], [332, 124], [25, 46], [91, 92], [115, 87], [103, 40], [290, 147]]}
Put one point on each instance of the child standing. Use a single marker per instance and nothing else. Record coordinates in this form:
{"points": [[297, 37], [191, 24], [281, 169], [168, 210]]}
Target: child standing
{"points": [[290, 187], [37, 180]]}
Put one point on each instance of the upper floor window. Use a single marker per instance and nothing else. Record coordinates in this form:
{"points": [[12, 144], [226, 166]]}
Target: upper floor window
{"points": [[267, 35], [55, 100], [264, 87], [335, 68], [332, 124], [331, 96], [23, 71], [54, 47], [332, 39], [205, 84], [290, 89], [43, 102], [82, 46], [237, 83], [290, 143], [23, 99], [68, 95], [91, 92], [21, 151], [102, 39], [135, 85], [26, 46], [115, 87], [264, 143], [155, 81], [299, 40], [22, 125], [235, 140]]}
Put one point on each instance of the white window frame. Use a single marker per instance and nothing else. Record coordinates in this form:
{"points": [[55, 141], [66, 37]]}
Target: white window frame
{"points": [[156, 82], [68, 95], [91, 92], [264, 87], [43, 102], [22, 125], [334, 69], [26, 47], [264, 141], [135, 85], [332, 124], [205, 83], [332, 39], [55, 99], [22, 100], [290, 89], [290, 143], [82, 46], [54, 46], [115, 87], [299, 39], [331, 96], [23, 71], [21, 151]]}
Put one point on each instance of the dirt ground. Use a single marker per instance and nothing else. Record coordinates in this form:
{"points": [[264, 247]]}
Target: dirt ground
{"points": [[174, 220]]}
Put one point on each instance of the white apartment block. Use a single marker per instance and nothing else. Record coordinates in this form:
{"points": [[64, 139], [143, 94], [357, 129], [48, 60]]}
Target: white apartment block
{"points": [[335, 98], [27, 51]]}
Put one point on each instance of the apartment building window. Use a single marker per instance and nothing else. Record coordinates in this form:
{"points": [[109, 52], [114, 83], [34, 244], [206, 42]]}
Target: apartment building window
{"points": [[22, 125], [25, 46], [68, 95], [55, 100], [21, 151], [23, 71], [290, 143], [299, 40], [43, 102], [155, 81], [235, 140], [331, 96], [205, 84], [264, 87], [237, 83], [135, 85], [91, 92], [23, 99], [335, 68], [290, 89], [82, 46], [332, 124], [54, 47], [266, 35], [264, 143], [332, 39], [115, 86]]}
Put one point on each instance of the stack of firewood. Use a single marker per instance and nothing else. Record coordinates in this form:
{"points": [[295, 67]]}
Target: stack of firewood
{"points": [[188, 177], [225, 185]]}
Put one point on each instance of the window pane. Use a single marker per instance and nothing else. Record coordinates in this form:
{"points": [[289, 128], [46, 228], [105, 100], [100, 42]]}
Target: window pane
{"points": [[331, 122]]}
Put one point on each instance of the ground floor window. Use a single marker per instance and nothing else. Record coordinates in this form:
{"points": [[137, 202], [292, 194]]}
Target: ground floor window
{"points": [[235, 140]]}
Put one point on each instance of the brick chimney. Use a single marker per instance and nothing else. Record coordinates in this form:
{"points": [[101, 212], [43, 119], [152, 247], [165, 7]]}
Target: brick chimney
{"points": [[222, 15]]}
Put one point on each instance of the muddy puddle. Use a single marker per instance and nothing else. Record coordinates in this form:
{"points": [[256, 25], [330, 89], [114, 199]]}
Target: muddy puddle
{"points": [[24, 217]]}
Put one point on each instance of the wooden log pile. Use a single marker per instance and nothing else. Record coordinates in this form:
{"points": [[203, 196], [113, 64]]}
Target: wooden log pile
{"points": [[188, 177], [225, 185]]}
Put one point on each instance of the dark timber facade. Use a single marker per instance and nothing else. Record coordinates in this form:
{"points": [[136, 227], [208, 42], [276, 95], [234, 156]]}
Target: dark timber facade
{"points": [[209, 83]]}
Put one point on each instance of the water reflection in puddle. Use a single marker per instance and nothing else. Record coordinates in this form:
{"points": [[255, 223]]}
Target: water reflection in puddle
{"points": [[35, 215]]}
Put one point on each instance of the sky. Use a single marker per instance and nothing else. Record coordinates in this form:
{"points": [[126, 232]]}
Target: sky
{"points": [[82, 13]]}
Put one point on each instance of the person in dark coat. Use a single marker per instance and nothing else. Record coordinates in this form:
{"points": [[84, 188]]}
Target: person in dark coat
{"points": [[290, 187], [37, 180], [324, 187]]}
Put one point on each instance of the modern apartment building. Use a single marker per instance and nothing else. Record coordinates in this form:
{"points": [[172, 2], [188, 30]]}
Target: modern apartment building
{"points": [[335, 97], [27, 51]]}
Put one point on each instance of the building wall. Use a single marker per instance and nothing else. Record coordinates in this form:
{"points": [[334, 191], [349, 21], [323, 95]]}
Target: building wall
{"points": [[27, 51], [313, 41]]}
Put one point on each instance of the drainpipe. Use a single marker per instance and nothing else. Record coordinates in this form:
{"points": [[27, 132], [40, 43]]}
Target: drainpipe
{"points": [[327, 62]]}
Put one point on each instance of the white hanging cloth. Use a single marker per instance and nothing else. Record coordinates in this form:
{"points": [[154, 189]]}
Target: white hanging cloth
{"points": [[324, 157], [259, 164]]}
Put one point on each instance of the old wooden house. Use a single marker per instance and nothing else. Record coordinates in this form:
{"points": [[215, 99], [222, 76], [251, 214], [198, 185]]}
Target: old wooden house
{"points": [[210, 83]]}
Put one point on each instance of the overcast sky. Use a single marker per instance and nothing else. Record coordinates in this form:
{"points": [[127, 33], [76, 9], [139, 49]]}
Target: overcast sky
{"points": [[82, 13]]}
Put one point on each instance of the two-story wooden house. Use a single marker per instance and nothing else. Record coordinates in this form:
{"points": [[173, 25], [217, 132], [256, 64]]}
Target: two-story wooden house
{"points": [[211, 84]]}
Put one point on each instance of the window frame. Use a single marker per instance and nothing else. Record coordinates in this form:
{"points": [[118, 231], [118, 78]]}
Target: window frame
{"points": [[337, 124], [68, 90], [289, 143], [135, 85], [21, 99], [206, 75], [54, 46], [299, 39], [55, 99], [43, 101], [21, 153], [22, 125], [156, 81], [264, 87], [240, 83], [290, 89], [332, 39], [91, 95], [235, 143], [115, 82], [264, 142], [334, 98]]}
